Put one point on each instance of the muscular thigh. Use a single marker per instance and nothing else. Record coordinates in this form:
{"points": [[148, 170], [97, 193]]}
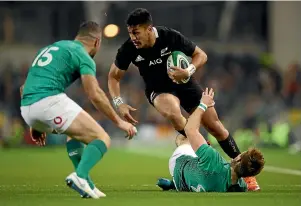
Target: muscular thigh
{"points": [[167, 104], [189, 96], [85, 128]]}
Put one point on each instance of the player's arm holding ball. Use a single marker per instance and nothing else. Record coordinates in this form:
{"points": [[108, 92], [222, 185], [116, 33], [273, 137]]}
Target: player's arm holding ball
{"points": [[183, 44], [117, 71]]}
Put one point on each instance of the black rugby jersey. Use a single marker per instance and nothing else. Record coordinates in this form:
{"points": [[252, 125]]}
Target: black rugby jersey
{"points": [[151, 62]]}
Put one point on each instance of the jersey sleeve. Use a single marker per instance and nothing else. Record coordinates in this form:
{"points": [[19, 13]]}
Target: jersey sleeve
{"points": [[124, 56], [209, 157], [205, 151], [85, 64], [181, 43]]}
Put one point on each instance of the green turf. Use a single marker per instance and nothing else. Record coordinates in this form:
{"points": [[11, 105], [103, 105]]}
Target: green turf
{"points": [[31, 177]]}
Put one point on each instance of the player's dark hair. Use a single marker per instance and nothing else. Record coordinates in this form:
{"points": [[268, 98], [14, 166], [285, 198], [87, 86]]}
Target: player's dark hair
{"points": [[251, 163], [139, 16], [88, 28]]}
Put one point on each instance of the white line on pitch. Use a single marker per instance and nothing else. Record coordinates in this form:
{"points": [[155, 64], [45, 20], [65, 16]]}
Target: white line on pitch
{"points": [[282, 170], [267, 168]]}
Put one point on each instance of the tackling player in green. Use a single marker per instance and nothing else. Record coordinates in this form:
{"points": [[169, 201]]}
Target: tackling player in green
{"points": [[197, 167], [47, 109]]}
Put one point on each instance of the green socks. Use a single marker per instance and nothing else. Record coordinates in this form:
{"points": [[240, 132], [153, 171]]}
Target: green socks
{"points": [[75, 150], [92, 154]]}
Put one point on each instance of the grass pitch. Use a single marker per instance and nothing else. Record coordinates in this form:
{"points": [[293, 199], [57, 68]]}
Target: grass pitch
{"points": [[32, 177]]}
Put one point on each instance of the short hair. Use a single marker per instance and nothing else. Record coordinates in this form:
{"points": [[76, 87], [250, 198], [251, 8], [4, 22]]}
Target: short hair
{"points": [[251, 163], [89, 28], [139, 16]]}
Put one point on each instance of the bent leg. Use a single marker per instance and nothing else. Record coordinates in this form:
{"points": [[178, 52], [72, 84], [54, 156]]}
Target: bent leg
{"points": [[75, 150], [214, 126], [168, 106], [85, 129]]}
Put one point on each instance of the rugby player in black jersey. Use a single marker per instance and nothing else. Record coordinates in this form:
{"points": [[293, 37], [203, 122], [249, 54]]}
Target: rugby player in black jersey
{"points": [[148, 48]]}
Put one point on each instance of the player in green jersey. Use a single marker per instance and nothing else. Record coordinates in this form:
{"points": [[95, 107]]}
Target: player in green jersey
{"points": [[197, 167], [47, 109]]}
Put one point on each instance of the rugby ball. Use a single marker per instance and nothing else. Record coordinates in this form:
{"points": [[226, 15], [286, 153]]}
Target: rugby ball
{"points": [[178, 59]]}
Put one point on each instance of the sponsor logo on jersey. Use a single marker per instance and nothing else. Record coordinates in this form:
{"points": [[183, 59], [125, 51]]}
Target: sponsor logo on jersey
{"points": [[58, 120], [199, 188], [156, 61], [139, 58], [163, 52], [73, 153]]}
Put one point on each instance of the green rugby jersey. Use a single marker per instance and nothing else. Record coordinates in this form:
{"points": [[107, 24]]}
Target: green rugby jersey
{"points": [[55, 68], [209, 172]]}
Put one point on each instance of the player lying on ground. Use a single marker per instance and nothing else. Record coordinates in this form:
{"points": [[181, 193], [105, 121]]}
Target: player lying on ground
{"points": [[148, 48], [197, 167], [47, 109]]}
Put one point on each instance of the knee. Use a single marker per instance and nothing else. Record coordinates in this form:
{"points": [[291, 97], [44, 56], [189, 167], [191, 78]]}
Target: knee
{"points": [[105, 138], [167, 113], [173, 116]]}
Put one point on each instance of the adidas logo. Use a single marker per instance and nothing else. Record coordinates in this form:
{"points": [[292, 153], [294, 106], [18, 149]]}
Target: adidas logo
{"points": [[139, 58]]}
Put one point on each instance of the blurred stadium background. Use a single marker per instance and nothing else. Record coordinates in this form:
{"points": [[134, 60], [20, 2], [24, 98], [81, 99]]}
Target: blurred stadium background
{"points": [[254, 58], [253, 49]]}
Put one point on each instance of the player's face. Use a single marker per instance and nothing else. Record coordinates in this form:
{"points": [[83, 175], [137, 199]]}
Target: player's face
{"points": [[140, 35]]}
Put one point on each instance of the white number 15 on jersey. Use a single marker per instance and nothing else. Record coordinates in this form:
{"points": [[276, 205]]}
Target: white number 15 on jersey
{"points": [[46, 55]]}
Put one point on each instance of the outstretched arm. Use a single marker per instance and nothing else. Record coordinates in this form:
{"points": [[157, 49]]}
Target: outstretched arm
{"points": [[194, 121], [99, 98], [101, 102], [114, 78]]}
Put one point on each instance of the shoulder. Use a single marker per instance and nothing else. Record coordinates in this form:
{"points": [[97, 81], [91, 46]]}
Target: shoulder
{"points": [[86, 58], [77, 50], [127, 46], [67, 44], [70, 48], [164, 31]]}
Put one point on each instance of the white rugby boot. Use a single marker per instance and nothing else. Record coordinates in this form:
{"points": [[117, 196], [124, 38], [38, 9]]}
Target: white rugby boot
{"points": [[98, 192], [80, 185]]}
